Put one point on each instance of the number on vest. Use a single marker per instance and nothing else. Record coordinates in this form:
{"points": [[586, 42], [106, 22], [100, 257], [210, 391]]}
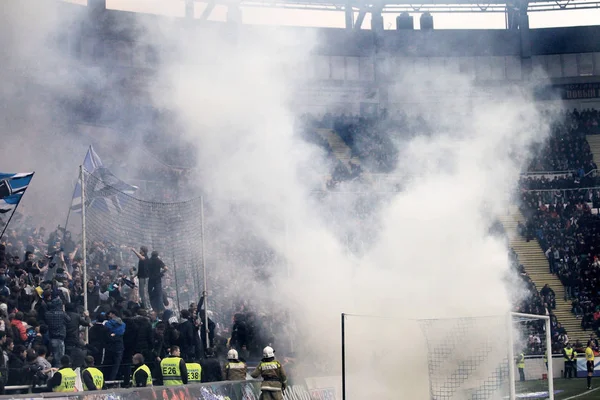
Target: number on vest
{"points": [[169, 371]]}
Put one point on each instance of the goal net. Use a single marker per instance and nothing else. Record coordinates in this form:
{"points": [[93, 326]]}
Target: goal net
{"points": [[116, 221], [445, 359]]}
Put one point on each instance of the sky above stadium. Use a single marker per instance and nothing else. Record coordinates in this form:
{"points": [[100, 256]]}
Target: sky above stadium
{"points": [[271, 16]]}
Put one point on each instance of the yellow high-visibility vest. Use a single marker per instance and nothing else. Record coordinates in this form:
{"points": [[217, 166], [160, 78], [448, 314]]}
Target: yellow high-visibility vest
{"points": [[568, 354], [97, 377], [67, 383], [194, 371], [144, 368], [170, 371], [521, 361]]}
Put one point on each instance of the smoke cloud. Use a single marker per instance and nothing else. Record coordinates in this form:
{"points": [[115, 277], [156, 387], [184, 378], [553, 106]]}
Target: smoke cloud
{"points": [[430, 254]]}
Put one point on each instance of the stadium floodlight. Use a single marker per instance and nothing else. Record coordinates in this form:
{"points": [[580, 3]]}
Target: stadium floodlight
{"points": [[475, 358]]}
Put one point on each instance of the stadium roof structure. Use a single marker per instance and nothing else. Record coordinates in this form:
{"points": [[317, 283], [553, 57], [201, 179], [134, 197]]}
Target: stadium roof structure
{"points": [[420, 6], [379, 7]]}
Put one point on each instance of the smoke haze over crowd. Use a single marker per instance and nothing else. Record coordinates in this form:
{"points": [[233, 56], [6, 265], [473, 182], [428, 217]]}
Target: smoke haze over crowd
{"points": [[431, 254]]}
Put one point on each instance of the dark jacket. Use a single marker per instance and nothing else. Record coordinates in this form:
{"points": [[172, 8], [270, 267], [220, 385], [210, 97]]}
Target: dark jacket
{"points": [[155, 266], [98, 336], [72, 328], [186, 338], [93, 299], [143, 342], [57, 320], [16, 370], [130, 335], [211, 370]]}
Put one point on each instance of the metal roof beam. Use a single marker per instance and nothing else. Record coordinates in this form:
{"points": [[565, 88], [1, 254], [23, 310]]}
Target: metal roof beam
{"points": [[360, 18], [210, 6]]}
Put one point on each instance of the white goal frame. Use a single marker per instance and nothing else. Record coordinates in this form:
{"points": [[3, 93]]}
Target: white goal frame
{"points": [[510, 320], [511, 352]]}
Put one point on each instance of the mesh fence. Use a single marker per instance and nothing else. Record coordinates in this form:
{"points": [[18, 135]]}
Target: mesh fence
{"points": [[468, 357], [443, 359], [117, 222]]}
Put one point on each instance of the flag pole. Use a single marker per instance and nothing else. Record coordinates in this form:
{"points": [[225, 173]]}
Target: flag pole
{"points": [[15, 209], [74, 189], [83, 246], [176, 284], [70, 206], [203, 261]]}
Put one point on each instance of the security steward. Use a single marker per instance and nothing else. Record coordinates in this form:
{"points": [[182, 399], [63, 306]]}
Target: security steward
{"points": [[235, 370], [64, 379], [172, 369], [521, 366], [194, 372], [142, 377], [93, 378], [569, 356], [274, 379]]}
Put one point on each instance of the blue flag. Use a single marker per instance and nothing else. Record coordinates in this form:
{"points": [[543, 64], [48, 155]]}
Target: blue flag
{"points": [[103, 190], [12, 188]]}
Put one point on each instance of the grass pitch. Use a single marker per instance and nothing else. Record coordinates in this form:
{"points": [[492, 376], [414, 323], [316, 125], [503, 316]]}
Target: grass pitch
{"points": [[575, 388]]}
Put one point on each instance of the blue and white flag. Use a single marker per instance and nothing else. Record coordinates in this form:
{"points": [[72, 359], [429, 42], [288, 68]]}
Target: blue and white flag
{"points": [[103, 190], [12, 188]]}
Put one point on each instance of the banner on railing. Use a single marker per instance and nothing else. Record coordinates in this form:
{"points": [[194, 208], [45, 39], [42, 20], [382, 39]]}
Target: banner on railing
{"points": [[582, 367], [207, 391]]}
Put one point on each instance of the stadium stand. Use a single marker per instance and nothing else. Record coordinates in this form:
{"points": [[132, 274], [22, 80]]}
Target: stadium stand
{"points": [[557, 211]]}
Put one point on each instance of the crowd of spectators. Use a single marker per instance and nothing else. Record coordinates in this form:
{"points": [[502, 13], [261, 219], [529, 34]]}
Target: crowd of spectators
{"points": [[566, 149], [560, 181], [42, 315], [558, 213]]}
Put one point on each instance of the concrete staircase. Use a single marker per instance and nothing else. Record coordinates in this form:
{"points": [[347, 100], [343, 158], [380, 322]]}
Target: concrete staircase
{"points": [[340, 149], [594, 141], [536, 265]]}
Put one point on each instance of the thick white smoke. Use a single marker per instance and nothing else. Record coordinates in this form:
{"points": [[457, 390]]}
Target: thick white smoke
{"points": [[433, 256]]}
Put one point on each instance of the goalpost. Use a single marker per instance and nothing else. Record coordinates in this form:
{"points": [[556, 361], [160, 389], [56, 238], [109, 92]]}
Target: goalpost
{"points": [[474, 358]]}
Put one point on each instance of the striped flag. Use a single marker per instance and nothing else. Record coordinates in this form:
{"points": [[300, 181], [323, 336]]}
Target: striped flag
{"points": [[103, 189], [12, 188]]}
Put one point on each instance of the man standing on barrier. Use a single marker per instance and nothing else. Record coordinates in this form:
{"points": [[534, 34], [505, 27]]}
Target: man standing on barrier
{"points": [[274, 378], [235, 370], [172, 369], [156, 269], [141, 375], [64, 379], [142, 275], [92, 377]]}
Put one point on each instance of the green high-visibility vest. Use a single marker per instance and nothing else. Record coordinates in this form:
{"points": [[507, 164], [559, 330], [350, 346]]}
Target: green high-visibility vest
{"points": [[194, 371], [144, 368], [170, 371], [97, 377], [67, 383]]}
